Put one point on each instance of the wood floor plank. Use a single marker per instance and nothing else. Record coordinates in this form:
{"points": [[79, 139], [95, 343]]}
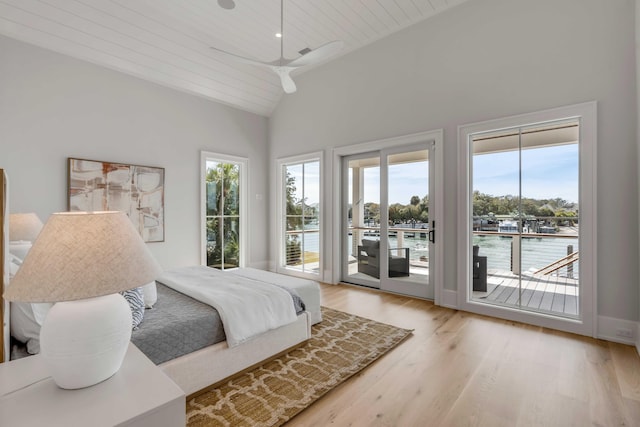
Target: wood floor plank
{"points": [[460, 369], [628, 378]]}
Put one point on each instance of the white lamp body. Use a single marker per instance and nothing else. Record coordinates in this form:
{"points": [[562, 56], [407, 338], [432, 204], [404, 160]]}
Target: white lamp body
{"points": [[84, 342]]}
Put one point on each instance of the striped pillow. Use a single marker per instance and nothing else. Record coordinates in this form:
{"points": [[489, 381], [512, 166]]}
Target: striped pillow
{"points": [[136, 301]]}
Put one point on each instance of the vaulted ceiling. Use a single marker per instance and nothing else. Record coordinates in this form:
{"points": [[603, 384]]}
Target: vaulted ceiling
{"points": [[169, 41]]}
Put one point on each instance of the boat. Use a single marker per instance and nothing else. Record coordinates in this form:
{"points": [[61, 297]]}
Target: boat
{"points": [[547, 229], [508, 226]]}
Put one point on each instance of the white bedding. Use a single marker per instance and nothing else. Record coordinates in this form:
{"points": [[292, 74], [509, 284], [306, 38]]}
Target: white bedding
{"points": [[257, 308], [307, 289]]}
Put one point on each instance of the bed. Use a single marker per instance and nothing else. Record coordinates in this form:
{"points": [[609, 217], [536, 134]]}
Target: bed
{"points": [[206, 358], [186, 338]]}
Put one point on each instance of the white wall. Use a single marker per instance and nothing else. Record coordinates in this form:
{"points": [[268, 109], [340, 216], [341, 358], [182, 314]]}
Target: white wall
{"points": [[637, 38], [488, 59], [53, 107]]}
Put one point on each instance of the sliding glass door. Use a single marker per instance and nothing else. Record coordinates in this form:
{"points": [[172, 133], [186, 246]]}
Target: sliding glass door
{"points": [[390, 234], [526, 220]]}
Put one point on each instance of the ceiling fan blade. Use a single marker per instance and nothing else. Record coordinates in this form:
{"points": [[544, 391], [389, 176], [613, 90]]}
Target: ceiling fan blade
{"points": [[317, 55], [288, 84], [239, 58]]}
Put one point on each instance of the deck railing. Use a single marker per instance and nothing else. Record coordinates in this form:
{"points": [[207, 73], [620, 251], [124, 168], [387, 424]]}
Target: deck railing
{"points": [[566, 260]]}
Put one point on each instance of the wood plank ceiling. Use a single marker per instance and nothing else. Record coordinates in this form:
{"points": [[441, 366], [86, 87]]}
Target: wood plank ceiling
{"points": [[168, 41]]}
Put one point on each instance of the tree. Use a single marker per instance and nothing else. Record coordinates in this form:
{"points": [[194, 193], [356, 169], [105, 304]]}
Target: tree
{"points": [[222, 182], [415, 200], [485, 204], [293, 220], [372, 212]]}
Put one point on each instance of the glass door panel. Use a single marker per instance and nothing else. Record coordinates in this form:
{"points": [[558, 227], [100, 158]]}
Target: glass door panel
{"points": [[410, 230], [361, 259]]}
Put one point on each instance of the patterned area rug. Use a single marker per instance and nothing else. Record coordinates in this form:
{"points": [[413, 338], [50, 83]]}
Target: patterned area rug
{"points": [[340, 346]]}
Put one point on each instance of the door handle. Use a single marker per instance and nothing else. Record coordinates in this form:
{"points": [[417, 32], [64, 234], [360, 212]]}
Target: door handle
{"points": [[432, 236]]}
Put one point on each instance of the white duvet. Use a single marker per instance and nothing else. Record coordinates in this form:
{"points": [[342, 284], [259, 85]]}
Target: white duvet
{"points": [[247, 307]]}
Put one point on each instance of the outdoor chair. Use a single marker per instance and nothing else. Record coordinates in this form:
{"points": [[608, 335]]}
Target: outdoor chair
{"points": [[479, 271], [369, 259]]}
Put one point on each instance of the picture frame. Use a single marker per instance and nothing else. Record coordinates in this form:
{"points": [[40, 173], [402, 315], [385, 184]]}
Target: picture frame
{"points": [[137, 190]]}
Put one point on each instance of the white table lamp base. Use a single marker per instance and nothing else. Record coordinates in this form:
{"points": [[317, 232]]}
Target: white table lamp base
{"points": [[84, 342]]}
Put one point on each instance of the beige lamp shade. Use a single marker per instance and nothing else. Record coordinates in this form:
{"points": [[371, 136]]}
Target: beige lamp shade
{"points": [[24, 226], [81, 255]]}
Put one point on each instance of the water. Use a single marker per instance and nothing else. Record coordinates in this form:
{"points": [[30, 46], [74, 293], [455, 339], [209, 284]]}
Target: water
{"points": [[536, 252]]}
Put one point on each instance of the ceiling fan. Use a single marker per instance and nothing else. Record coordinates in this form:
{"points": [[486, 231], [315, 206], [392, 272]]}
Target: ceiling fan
{"points": [[282, 66]]}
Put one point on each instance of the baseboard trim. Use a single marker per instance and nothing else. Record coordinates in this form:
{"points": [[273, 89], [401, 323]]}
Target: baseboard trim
{"points": [[449, 299], [609, 328], [261, 265], [613, 329]]}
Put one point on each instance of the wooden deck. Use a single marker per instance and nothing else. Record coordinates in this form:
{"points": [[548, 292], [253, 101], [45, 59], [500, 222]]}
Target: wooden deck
{"points": [[544, 293]]}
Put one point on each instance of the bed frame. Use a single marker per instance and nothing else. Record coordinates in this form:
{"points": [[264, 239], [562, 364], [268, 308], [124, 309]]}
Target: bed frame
{"points": [[206, 368]]}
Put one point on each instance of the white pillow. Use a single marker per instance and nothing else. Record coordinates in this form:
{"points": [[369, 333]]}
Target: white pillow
{"points": [[13, 268], [26, 320], [150, 293], [19, 249], [136, 302]]}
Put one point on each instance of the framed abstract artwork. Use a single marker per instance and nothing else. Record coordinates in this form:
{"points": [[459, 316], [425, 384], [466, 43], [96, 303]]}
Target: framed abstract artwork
{"points": [[106, 186]]}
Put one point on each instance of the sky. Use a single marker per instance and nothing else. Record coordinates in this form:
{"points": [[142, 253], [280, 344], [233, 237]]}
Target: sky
{"points": [[405, 181], [547, 173]]}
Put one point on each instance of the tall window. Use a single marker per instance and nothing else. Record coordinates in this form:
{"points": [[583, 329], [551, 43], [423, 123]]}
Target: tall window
{"points": [[301, 236], [224, 208]]}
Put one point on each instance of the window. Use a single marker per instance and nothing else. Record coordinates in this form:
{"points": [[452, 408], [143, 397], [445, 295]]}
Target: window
{"points": [[300, 213], [224, 211]]}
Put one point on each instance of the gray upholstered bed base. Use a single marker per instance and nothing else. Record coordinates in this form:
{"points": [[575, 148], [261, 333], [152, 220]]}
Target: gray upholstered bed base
{"points": [[175, 326], [178, 325]]}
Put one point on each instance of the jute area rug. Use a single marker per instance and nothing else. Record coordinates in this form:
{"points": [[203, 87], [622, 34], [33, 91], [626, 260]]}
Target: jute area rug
{"points": [[270, 395]]}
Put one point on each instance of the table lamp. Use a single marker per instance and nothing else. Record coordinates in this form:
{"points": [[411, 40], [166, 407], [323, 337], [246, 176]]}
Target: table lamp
{"points": [[80, 261]]}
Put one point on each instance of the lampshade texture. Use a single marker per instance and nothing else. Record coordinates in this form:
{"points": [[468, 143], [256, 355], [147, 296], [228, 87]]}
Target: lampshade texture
{"points": [[24, 226], [81, 255]]}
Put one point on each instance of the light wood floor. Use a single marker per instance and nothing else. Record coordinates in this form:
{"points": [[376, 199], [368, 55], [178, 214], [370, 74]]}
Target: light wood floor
{"points": [[461, 369]]}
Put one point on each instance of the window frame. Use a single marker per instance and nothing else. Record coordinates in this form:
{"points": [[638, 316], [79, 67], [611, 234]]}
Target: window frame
{"points": [[243, 200], [281, 212]]}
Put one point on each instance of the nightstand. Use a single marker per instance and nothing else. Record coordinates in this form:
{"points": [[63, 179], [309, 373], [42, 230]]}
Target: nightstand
{"points": [[139, 394]]}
